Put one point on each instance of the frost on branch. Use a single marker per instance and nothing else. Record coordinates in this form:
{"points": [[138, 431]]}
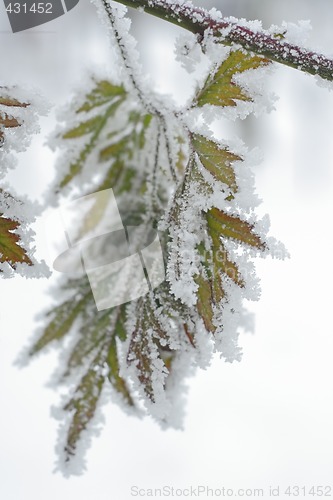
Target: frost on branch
{"points": [[18, 120], [167, 173]]}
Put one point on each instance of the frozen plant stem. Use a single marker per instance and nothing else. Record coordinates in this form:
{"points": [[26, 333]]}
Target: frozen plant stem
{"points": [[198, 20], [146, 103]]}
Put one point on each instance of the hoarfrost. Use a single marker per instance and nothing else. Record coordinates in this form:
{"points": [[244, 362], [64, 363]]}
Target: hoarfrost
{"points": [[17, 138], [297, 34], [178, 192], [77, 465], [188, 51]]}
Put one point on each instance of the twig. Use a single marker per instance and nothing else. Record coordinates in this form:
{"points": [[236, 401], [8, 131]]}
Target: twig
{"points": [[145, 101], [198, 20]]}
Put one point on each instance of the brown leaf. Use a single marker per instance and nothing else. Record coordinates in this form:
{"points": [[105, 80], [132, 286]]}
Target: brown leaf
{"points": [[10, 250], [218, 161], [234, 228]]}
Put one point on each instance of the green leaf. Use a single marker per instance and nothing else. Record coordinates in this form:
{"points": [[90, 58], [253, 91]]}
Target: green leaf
{"points": [[218, 161], [95, 353], [102, 328], [113, 150], [116, 136], [205, 302], [91, 334], [95, 127], [217, 264], [220, 88], [84, 128], [145, 349], [103, 93], [234, 228], [105, 365], [63, 318], [10, 249], [117, 382], [83, 405]]}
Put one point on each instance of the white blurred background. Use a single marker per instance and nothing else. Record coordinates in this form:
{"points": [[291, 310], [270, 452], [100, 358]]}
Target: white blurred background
{"points": [[266, 421]]}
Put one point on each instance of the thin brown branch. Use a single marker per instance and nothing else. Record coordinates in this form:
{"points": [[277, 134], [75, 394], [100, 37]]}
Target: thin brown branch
{"points": [[188, 335], [198, 21]]}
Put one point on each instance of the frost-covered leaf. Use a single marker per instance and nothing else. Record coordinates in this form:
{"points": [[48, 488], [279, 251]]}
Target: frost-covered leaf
{"points": [[95, 128], [105, 137], [16, 252], [19, 113], [211, 289], [83, 404], [206, 301], [84, 128], [220, 88], [217, 267], [62, 319], [7, 105], [103, 367], [218, 161], [7, 100], [144, 351], [118, 383], [91, 333], [10, 249], [234, 228], [104, 327], [102, 93], [94, 354]]}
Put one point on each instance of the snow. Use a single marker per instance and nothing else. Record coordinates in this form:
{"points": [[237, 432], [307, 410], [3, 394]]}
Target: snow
{"points": [[188, 51], [297, 33], [17, 139]]}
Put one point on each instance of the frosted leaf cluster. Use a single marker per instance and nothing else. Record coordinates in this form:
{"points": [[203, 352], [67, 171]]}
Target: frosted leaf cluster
{"points": [[168, 173], [19, 112]]}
